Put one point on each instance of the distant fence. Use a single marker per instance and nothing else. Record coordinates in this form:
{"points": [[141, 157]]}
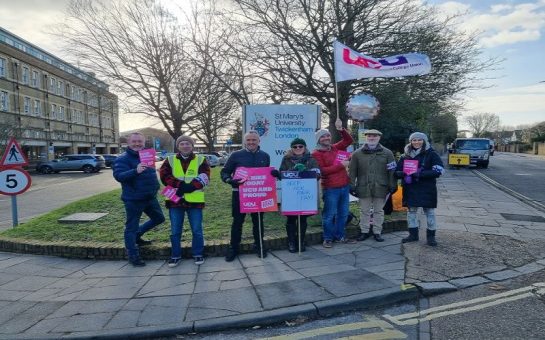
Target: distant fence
{"points": [[535, 148]]}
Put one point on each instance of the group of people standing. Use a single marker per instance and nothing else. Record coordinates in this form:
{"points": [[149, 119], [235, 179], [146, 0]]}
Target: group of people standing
{"points": [[371, 174]]}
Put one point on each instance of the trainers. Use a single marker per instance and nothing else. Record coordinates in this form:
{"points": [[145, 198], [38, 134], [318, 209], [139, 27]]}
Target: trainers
{"points": [[199, 260], [142, 242], [347, 241], [327, 244], [137, 262], [174, 262]]}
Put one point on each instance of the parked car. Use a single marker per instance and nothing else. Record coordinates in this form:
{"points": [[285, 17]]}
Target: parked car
{"points": [[110, 159], [213, 160], [83, 162]]}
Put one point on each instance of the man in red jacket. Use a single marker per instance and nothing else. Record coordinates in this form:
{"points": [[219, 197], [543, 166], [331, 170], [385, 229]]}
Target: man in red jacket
{"points": [[335, 184]]}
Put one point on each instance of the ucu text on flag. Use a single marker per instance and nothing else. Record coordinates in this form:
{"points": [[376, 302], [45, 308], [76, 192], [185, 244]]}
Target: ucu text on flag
{"points": [[350, 64]]}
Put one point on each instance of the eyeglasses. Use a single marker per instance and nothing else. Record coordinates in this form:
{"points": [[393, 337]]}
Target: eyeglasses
{"points": [[298, 147]]}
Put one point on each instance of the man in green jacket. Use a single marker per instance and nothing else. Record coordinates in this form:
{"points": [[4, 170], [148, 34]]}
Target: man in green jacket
{"points": [[371, 173]]}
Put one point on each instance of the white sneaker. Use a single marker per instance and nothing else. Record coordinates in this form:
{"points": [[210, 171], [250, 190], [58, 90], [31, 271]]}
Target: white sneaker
{"points": [[174, 262]]}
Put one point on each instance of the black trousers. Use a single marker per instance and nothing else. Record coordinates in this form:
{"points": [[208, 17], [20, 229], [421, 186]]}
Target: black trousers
{"points": [[238, 221]]}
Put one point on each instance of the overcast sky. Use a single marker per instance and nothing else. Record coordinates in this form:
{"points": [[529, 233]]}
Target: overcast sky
{"points": [[512, 29]]}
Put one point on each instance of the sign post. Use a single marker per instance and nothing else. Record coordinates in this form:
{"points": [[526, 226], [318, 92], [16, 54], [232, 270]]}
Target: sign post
{"points": [[13, 179]]}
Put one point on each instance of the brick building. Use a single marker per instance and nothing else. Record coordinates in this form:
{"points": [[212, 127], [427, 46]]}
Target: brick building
{"points": [[54, 107]]}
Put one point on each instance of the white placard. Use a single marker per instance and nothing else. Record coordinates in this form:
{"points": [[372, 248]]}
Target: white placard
{"points": [[299, 193]]}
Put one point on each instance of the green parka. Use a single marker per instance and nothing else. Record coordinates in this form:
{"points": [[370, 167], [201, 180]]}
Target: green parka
{"points": [[371, 172]]}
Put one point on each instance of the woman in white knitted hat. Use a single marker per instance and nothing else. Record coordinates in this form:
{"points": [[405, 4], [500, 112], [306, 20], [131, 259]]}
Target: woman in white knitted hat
{"points": [[419, 167]]}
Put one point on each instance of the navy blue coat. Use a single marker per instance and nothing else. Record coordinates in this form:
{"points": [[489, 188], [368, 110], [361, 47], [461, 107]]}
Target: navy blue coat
{"points": [[135, 186], [422, 192], [246, 159]]}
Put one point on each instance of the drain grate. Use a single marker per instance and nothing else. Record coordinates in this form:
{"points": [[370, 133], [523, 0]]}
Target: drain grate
{"points": [[527, 218]]}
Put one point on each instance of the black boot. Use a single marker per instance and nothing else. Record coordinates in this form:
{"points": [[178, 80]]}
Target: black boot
{"points": [[413, 236], [378, 238], [292, 241], [136, 261], [232, 253], [363, 236], [431, 238], [141, 242]]}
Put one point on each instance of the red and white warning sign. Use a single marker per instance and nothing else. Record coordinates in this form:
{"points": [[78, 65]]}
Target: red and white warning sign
{"points": [[13, 156]]}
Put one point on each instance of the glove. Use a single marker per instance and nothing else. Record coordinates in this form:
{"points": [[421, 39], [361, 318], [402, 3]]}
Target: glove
{"points": [[234, 182], [299, 167], [408, 179], [275, 173], [185, 188]]}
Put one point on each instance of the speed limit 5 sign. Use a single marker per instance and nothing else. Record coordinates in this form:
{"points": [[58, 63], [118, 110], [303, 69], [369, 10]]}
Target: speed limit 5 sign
{"points": [[14, 181]]}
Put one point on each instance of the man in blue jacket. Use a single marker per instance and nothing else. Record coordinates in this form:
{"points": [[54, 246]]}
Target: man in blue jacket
{"points": [[139, 186]]}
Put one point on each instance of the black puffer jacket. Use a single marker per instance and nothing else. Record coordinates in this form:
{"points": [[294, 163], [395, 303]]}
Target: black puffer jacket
{"points": [[422, 191], [135, 186], [244, 158]]}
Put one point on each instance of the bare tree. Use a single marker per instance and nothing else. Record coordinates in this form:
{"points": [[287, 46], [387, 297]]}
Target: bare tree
{"points": [[482, 122], [138, 47], [291, 46]]}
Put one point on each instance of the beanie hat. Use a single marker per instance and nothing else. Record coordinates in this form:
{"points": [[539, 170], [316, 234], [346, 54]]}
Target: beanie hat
{"points": [[185, 138], [298, 141], [418, 135], [320, 133]]}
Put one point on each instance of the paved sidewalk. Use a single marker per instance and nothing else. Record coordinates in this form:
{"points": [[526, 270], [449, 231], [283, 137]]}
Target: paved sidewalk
{"points": [[50, 297]]}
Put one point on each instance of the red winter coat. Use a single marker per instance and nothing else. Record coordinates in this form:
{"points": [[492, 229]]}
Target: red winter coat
{"points": [[333, 175]]}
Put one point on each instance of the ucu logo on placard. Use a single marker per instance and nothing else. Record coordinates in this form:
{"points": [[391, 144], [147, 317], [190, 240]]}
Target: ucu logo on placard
{"points": [[370, 63], [249, 205], [290, 174]]}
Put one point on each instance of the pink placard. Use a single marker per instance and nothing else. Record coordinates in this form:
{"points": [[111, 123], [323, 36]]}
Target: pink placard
{"points": [[147, 156], [170, 193], [342, 156], [410, 166], [258, 192]]}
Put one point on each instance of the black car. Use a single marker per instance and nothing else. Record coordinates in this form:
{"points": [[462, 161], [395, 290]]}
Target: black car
{"points": [[110, 159]]}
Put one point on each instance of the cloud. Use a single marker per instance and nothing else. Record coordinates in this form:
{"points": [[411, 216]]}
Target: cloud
{"points": [[514, 106], [501, 24]]}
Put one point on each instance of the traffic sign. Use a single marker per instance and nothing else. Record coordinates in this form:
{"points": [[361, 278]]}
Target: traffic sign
{"points": [[14, 155], [458, 159], [14, 181]]}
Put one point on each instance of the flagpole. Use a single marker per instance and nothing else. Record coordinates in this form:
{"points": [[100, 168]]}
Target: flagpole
{"points": [[335, 80]]}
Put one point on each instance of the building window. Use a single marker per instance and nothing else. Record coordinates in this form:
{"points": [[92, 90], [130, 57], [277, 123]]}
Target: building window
{"points": [[35, 81], [53, 111], [26, 105], [52, 85], [4, 101], [60, 88], [3, 63], [26, 75], [37, 106], [60, 115]]}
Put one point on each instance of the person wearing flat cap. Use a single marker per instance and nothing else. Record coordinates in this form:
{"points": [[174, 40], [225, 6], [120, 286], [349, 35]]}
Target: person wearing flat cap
{"points": [[297, 158], [419, 184], [335, 184], [371, 179], [190, 174]]}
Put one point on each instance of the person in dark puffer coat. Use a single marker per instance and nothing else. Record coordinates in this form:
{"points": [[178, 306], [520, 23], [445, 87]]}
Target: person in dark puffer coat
{"points": [[419, 188], [139, 186]]}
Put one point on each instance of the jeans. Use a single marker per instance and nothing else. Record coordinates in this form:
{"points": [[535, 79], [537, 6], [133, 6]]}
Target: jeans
{"points": [[133, 229], [412, 218], [194, 216], [335, 212]]}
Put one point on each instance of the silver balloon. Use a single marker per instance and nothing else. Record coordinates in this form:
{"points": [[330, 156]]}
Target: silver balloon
{"points": [[362, 107]]}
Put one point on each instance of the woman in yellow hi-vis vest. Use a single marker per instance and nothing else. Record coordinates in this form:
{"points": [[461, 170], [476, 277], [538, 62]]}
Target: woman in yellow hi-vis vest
{"points": [[189, 173]]}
